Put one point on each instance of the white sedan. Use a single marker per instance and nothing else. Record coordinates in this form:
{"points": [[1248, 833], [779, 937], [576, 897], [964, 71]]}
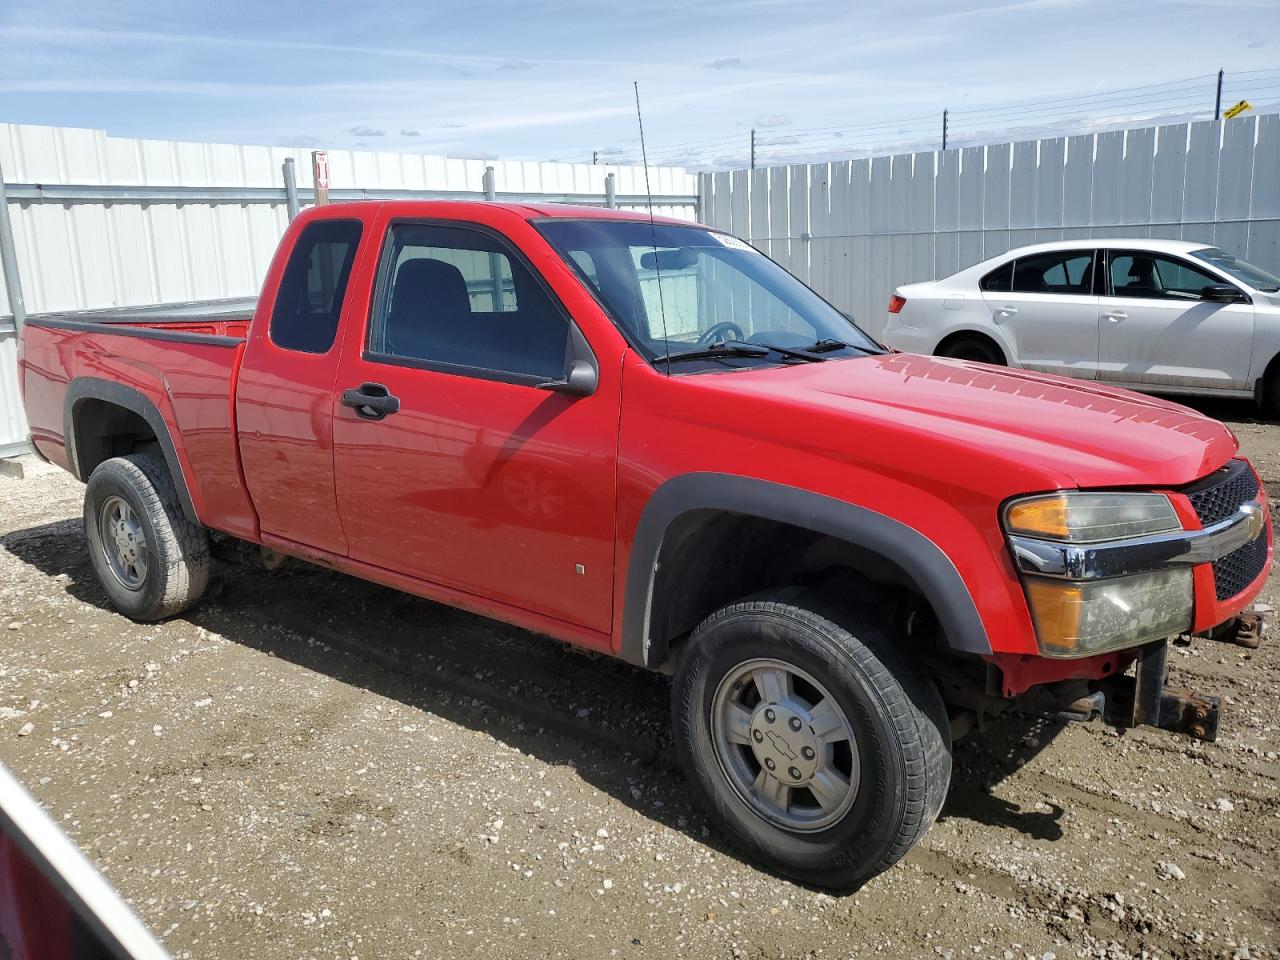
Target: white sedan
{"points": [[1165, 316]]}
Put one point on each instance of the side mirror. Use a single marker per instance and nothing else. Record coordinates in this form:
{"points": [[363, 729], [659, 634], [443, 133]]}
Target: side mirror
{"points": [[581, 380], [1221, 293]]}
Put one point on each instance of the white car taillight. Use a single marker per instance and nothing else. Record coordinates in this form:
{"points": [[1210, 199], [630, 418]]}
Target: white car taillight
{"points": [[896, 303]]}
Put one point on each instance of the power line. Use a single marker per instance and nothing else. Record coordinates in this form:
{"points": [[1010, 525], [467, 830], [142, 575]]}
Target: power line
{"points": [[1189, 96], [1101, 94]]}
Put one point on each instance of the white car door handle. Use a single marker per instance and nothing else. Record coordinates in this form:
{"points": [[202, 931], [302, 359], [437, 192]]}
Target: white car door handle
{"points": [[1115, 316], [1007, 311]]}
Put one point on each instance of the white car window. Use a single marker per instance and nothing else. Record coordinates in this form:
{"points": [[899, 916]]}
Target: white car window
{"points": [[1155, 277], [1059, 271], [1062, 271]]}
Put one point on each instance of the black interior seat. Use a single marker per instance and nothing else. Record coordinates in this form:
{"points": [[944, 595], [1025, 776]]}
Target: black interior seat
{"points": [[1029, 278], [1141, 279], [430, 316]]}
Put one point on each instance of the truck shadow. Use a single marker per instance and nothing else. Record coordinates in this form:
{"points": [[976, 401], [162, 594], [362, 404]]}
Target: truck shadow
{"points": [[605, 719]]}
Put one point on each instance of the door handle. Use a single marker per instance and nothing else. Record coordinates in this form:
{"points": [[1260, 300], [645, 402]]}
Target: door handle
{"points": [[1007, 311], [1115, 316], [371, 401]]}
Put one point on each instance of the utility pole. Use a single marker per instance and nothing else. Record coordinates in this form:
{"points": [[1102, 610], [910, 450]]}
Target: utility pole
{"points": [[753, 148], [1217, 104], [944, 129]]}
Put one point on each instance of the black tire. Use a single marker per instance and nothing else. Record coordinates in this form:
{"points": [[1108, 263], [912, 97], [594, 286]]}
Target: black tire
{"points": [[974, 347], [177, 550], [1271, 392], [899, 721]]}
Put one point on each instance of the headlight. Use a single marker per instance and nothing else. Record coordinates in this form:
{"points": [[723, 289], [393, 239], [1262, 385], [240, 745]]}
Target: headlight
{"points": [[1078, 618], [1091, 517], [1078, 613]]}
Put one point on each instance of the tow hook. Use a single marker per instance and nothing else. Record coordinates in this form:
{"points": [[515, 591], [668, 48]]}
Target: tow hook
{"points": [[1244, 631], [1170, 708], [1144, 700]]}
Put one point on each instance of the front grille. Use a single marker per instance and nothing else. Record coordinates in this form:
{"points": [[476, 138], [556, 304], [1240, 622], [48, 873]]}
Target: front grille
{"points": [[1239, 568], [1219, 495]]}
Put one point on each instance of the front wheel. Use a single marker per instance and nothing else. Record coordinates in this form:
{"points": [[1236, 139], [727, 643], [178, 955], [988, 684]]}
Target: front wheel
{"points": [[810, 739], [150, 559]]}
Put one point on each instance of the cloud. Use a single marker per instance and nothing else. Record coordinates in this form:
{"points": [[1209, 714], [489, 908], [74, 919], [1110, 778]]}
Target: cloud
{"points": [[772, 120], [408, 133], [300, 141], [515, 65], [725, 63], [1257, 42], [359, 131]]}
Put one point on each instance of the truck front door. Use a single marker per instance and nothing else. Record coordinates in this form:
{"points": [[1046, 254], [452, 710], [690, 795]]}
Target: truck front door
{"points": [[460, 470]]}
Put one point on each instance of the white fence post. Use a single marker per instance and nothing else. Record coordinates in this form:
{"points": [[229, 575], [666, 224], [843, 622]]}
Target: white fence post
{"points": [[9, 261]]}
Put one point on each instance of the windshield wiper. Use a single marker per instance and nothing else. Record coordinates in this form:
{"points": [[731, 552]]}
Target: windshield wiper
{"points": [[738, 348], [797, 353], [718, 352], [827, 344]]}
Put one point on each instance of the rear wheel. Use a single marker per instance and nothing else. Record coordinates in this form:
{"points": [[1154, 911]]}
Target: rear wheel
{"points": [[150, 559], [809, 738], [979, 348]]}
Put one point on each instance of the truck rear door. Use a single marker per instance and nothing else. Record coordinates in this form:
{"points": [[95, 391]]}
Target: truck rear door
{"points": [[459, 469], [1047, 306], [285, 393]]}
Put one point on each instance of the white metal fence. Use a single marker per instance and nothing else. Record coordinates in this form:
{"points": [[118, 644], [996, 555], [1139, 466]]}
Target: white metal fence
{"points": [[101, 221], [856, 229]]}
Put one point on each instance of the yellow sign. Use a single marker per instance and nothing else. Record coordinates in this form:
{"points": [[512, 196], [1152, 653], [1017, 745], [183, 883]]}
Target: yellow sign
{"points": [[1238, 109]]}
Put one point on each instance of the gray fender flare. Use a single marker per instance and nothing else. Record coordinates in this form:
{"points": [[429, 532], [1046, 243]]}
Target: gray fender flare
{"points": [[108, 391], [930, 568]]}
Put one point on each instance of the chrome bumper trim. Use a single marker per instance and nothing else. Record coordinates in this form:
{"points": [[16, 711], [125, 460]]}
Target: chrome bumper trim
{"points": [[1116, 558]]}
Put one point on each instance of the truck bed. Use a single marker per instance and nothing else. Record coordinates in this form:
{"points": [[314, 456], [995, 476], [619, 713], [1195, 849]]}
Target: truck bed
{"points": [[227, 318], [182, 358]]}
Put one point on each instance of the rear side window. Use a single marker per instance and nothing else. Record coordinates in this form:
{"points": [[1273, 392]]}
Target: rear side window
{"points": [[999, 280], [314, 285], [1062, 271]]}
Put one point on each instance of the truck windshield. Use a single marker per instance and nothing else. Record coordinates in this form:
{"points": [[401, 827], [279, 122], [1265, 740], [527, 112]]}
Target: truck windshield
{"points": [[677, 290]]}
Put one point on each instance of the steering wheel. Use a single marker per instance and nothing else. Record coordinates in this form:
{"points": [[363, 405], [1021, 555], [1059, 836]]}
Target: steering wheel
{"points": [[715, 333]]}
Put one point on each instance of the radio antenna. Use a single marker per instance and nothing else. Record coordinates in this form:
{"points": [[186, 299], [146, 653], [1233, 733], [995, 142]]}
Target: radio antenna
{"points": [[653, 231]]}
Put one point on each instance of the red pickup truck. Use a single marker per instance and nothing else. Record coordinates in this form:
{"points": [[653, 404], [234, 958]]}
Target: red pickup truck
{"points": [[646, 438]]}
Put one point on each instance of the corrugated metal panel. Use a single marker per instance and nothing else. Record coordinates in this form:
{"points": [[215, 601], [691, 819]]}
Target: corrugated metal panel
{"points": [[892, 220], [85, 253]]}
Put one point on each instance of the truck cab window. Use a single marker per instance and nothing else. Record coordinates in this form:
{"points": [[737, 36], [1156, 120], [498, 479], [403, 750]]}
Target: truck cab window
{"points": [[454, 296], [314, 284]]}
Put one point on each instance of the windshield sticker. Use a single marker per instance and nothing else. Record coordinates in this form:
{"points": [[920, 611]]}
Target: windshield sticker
{"points": [[733, 243]]}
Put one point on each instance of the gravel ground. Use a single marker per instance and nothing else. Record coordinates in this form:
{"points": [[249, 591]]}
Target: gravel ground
{"points": [[310, 766]]}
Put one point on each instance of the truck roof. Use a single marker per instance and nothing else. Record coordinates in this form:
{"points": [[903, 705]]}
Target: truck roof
{"points": [[528, 211]]}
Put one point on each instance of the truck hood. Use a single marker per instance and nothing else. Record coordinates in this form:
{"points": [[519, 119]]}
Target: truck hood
{"points": [[1070, 432]]}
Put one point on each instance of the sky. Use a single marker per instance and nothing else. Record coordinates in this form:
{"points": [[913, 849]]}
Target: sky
{"points": [[553, 80]]}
